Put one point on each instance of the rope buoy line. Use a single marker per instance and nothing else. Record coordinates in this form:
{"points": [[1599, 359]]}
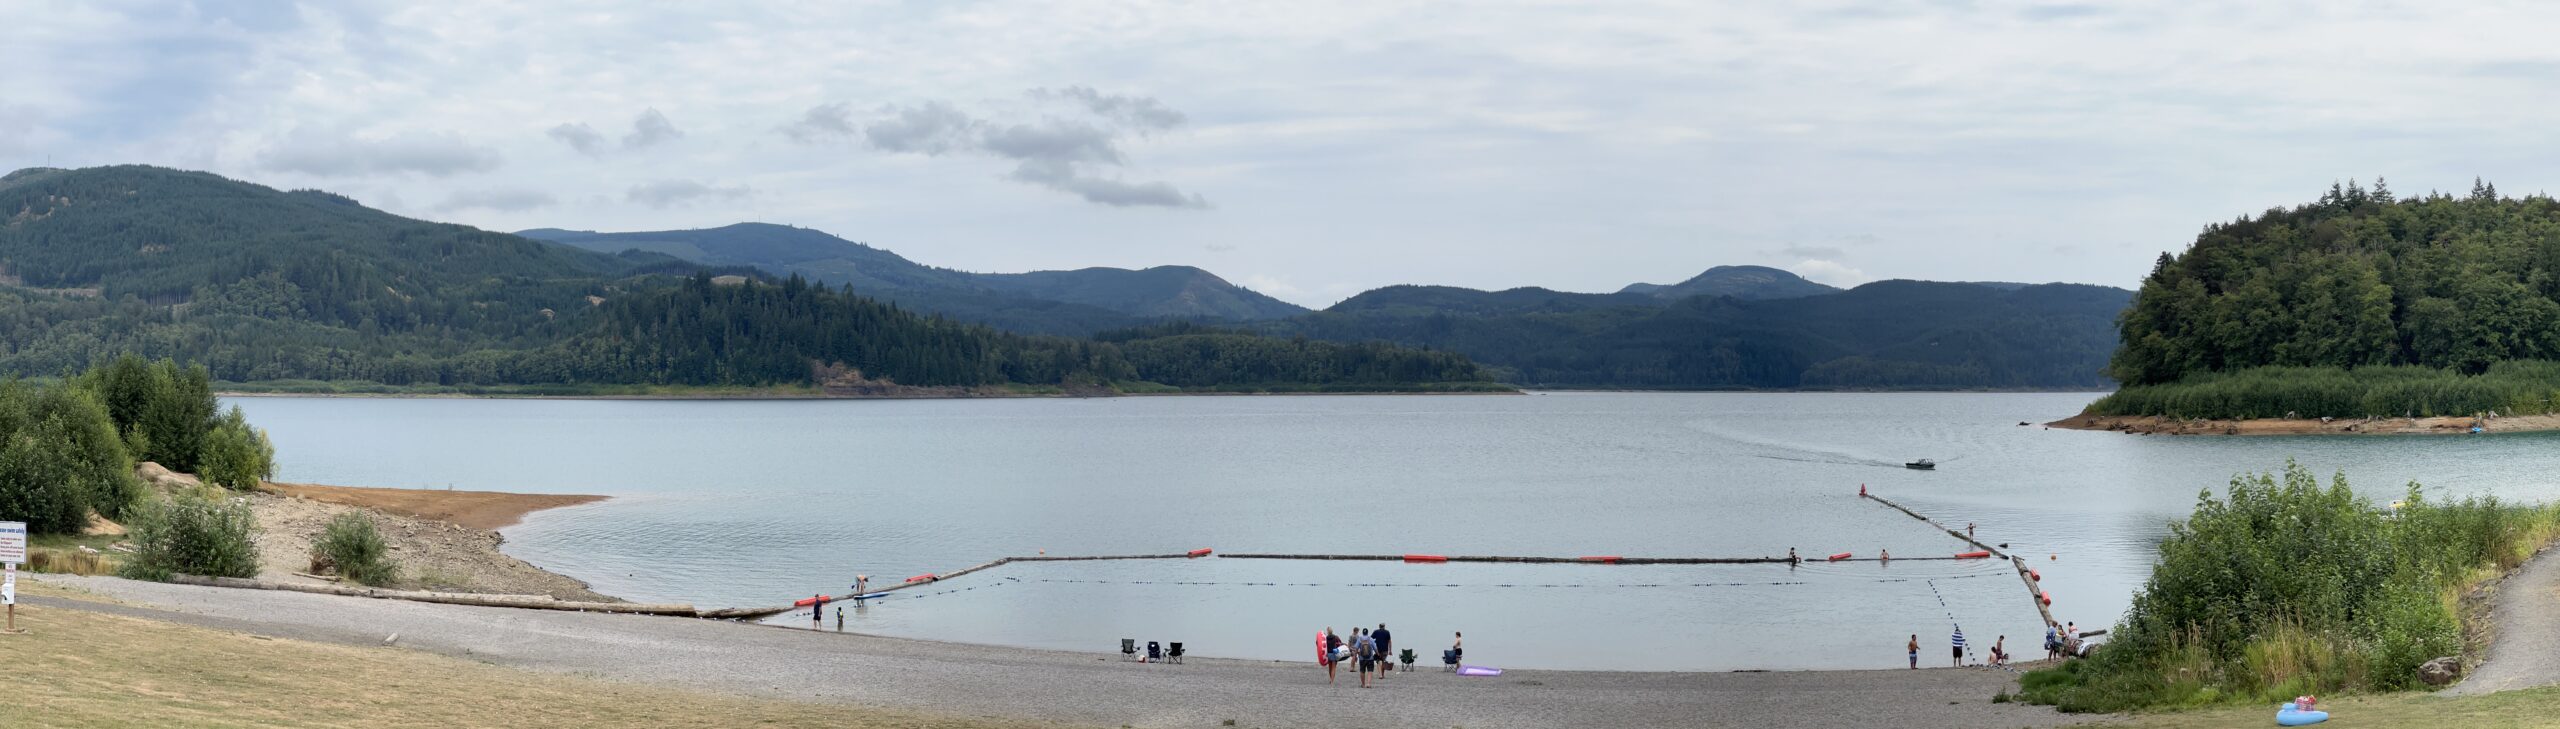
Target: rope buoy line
{"points": [[748, 613], [2043, 601]]}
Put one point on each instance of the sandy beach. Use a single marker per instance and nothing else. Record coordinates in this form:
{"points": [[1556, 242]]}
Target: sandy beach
{"points": [[1084, 689]]}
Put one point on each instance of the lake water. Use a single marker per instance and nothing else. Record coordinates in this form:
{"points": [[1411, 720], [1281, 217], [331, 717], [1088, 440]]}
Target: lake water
{"points": [[727, 503]]}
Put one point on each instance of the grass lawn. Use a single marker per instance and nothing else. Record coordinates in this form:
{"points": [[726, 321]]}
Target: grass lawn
{"points": [[2529, 708], [84, 669]]}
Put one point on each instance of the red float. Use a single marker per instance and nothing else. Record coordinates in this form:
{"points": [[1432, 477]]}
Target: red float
{"points": [[922, 577], [1425, 558], [1972, 555], [1201, 552], [1605, 559], [1840, 556]]}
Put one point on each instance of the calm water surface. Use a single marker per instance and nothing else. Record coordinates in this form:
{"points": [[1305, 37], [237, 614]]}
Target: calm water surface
{"points": [[753, 503]]}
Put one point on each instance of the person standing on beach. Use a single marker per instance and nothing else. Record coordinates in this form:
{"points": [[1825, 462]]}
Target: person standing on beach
{"points": [[1958, 641], [2000, 651], [1332, 655], [1915, 651], [1458, 645], [1364, 649], [1386, 649]]}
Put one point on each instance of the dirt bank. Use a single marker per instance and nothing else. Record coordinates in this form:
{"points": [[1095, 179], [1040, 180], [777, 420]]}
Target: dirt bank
{"points": [[2157, 425], [473, 509], [437, 537]]}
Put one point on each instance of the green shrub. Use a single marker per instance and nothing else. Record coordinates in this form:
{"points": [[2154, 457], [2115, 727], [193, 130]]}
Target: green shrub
{"points": [[60, 459], [193, 534], [235, 455], [351, 546], [2284, 587], [162, 409]]}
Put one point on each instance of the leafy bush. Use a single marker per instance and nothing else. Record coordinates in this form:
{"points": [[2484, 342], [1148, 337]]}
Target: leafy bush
{"points": [[2284, 587], [351, 546], [235, 455], [162, 410], [60, 459], [193, 534]]}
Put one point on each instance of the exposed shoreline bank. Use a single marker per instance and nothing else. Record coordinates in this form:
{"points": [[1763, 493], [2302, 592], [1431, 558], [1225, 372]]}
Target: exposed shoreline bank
{"points": [[2162, 425], [445, 541]]}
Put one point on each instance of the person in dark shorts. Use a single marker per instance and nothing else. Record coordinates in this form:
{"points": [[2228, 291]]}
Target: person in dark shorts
{"points": [[1366, 648], [1386, 648], [1958, 641]]}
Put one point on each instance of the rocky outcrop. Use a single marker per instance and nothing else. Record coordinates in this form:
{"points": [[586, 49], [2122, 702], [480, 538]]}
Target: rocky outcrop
{"points": [[2441, 671]]}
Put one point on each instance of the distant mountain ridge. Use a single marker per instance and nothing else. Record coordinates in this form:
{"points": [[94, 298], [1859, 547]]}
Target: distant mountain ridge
{"points": [[1741, 282], [1060, 302]]}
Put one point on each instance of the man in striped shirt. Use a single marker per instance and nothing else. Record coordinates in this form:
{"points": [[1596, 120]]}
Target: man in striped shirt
{"points": [[1959, 646]]}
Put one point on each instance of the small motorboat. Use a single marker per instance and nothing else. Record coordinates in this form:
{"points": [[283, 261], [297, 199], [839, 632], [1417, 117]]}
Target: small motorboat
{"points": [[1922, 465]]}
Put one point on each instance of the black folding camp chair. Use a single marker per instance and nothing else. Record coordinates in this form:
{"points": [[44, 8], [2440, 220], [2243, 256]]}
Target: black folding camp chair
{"points": [[1155, 652], [1129, 649], [1449, 658], [1174, 654], [1406, 655]]}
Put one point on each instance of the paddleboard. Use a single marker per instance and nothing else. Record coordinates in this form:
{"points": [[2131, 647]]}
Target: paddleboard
{"points": [[1479, 671]]}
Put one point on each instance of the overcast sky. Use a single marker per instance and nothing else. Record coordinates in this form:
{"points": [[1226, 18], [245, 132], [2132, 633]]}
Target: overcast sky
{"points": [[1312, 150]]}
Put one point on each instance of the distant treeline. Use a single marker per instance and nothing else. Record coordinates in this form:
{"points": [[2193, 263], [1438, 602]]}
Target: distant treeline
{"points": [[2361, 303], [1883, 335]]}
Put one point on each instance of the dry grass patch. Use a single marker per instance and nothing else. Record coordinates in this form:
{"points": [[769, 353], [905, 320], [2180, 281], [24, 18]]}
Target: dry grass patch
{"points": [[84, 669]]}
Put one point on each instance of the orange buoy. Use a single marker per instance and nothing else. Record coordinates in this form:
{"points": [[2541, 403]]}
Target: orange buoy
{"points": [[1972, 555], [2047, 597], [1201, 552], [1425, 558], [1604, 559], [1840, 556], [804, 602], [2032, 575], [922, 577]]}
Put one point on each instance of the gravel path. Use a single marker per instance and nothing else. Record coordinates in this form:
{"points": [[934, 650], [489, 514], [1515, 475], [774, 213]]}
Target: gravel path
{"points": [[2525, 651], [1084, 688]]}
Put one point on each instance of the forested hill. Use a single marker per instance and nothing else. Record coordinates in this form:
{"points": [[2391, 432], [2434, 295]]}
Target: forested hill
{"points": [[1741, 282], [1076, 302], [260, 285], [2359, 278], [2361, 304], [1885, 335]]}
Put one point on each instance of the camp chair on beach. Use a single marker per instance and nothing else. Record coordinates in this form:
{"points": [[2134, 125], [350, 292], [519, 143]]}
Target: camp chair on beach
{"points": [[1129, 649], [1174, 654], [1449, 658], [1406, 655], [1155, 652]]}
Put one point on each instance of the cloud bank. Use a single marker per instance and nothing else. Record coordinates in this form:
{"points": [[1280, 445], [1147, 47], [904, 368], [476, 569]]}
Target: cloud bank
{"points": [[1071, 155]]}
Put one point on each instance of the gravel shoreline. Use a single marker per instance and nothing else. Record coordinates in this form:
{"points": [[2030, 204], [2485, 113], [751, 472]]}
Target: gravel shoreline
{"points": [[1076, 688]]}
